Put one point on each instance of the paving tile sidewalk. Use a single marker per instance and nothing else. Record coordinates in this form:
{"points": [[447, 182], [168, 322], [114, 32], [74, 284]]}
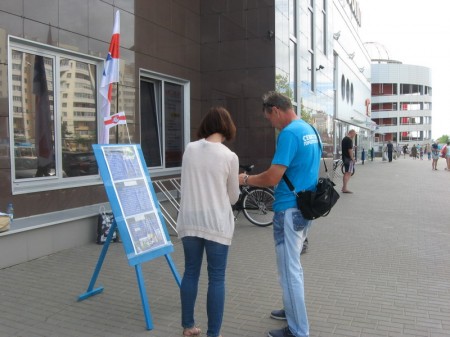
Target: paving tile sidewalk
{"points": [[378, 265]]}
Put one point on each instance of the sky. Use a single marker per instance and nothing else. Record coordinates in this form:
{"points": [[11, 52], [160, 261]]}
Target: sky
{"points": [[416, 33]]}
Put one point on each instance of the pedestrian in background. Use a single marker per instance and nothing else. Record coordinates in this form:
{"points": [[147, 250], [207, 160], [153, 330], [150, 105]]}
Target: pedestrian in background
{"points": [[209, 186], [434, 155], [363, 156], [298, 156], [428, 151], [348, 159], [414, 151], [390, 150], [447, 155]]}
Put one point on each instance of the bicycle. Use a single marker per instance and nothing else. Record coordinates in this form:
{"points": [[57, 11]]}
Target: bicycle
{"points": [[339, 169], [255, 202]]}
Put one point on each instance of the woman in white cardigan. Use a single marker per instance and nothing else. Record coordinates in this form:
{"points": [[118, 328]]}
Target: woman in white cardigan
{"points": [[209, 186]]}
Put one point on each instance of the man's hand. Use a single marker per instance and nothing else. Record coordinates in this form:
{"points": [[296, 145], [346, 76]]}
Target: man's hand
{"points": [[241, 178]]}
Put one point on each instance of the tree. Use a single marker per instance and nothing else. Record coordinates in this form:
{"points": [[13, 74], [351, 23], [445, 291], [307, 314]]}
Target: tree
{"points": [[306, 115], [282, 86], [443, 139]]}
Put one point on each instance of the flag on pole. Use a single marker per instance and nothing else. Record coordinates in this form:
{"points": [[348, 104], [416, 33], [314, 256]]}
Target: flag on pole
{"points": [[110, 76], [113, 120]]}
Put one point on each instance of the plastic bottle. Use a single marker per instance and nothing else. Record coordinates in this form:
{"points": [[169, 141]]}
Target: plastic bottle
{"points": [[10, 211]]}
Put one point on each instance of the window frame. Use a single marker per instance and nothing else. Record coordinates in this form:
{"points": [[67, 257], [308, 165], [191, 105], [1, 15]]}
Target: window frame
{"points": [[152, 76], [40, 184]]}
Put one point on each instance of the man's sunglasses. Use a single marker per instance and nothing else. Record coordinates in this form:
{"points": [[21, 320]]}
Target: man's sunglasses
{"points": [[267, 105]]}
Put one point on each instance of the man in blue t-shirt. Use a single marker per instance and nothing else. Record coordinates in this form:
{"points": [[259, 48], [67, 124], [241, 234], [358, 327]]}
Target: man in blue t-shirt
{"points": [[298, 156]]}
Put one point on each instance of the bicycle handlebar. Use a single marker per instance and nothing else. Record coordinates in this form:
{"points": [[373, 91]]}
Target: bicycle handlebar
{"points": [[247, 168]]}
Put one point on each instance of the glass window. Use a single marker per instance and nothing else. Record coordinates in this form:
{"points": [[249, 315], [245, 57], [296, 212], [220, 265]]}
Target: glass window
{"points": [[79, 121], [293, 69], [347, 90], [411, 89], [312, 72], [381, 89], [293, 17], [311, 30], [343, 87], [34, 116], [163, 122], [324, 31], [351, 94], [54, 124]]}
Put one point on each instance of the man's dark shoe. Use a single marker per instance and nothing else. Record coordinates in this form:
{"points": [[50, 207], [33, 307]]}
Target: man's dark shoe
{"points": [[285, 332], [278, 314]]}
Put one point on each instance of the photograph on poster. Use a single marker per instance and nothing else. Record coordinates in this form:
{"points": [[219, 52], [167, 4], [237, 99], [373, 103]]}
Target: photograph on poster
{"points": [[145, 232]]}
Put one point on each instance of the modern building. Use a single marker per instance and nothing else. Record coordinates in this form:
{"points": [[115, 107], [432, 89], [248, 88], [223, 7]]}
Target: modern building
{"points": [[352, 75], [178, 58], [401, 103]]}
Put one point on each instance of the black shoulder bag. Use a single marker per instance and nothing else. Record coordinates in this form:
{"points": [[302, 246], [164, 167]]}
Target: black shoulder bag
{"points": [[318, 203]]}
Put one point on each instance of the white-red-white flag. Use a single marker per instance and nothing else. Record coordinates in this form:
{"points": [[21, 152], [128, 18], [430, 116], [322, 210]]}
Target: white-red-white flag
{"points": [[116, 119], [110, 76]]}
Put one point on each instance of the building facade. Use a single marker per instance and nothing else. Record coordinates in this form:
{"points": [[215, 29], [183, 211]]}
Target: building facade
{"points": [[352, 75], [177, 59], [401, 103]]}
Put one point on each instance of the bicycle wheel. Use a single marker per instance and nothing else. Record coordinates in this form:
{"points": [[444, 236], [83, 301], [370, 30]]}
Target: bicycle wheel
{"points": [[336, 174], [258, 206]]}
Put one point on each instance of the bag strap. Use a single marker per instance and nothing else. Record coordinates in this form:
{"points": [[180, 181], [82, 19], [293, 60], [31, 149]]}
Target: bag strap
{"points": [[286, 179]]}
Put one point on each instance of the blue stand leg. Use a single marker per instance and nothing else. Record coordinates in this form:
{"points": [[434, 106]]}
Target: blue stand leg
{"points": [[173, 269], [145, 306], [91, 291]]}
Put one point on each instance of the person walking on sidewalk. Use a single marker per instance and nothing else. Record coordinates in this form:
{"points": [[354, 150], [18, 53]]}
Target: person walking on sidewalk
{"points": [[414, 151], [390, 150], [434, 155], [348, 159], [209, 186], [298, 156], [447, 155]]}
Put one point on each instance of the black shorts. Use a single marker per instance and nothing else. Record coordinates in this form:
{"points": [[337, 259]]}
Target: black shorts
{"points": [[348, 165]]}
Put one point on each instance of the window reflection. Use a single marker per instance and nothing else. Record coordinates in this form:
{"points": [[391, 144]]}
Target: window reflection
{"points": [[33, 115], [34, 112], [162, 123], [173, 107], [78, 117]]}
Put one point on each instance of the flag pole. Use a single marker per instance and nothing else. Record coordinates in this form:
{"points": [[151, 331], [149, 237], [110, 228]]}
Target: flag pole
{"points": [[128, 133], [117, 110]]}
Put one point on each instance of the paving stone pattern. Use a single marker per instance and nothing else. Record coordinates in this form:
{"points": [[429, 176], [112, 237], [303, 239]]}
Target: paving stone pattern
{"points": [[378, 265]]}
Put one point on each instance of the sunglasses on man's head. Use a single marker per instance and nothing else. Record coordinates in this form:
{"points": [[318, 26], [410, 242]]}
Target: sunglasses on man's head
{"points": [[267, 105]]}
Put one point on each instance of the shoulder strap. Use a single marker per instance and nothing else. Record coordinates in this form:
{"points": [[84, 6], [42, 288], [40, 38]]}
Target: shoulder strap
{"points": [[286, 179]]}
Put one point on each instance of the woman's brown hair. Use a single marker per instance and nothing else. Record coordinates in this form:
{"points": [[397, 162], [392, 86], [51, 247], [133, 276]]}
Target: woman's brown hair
{"points": [[218, 119]]}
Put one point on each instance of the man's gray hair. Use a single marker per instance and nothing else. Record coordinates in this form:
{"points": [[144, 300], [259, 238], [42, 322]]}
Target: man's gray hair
{"points": [[274, 98]]}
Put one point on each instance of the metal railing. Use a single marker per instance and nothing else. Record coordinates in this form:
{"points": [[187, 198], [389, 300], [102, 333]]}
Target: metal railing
{"points": [[168, 192]]}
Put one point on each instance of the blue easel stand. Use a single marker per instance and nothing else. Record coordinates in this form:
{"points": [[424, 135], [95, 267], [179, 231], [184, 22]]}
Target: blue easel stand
{"points": [[131, 158], [140, 279], [91, 291]]}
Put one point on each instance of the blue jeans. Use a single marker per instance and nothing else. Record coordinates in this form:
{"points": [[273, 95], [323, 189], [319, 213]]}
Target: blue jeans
{"points": [[289, 232], [216, 256]]}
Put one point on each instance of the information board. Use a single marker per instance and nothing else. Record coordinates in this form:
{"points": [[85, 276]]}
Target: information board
{"points": [[137, 215], [133, 201]]}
